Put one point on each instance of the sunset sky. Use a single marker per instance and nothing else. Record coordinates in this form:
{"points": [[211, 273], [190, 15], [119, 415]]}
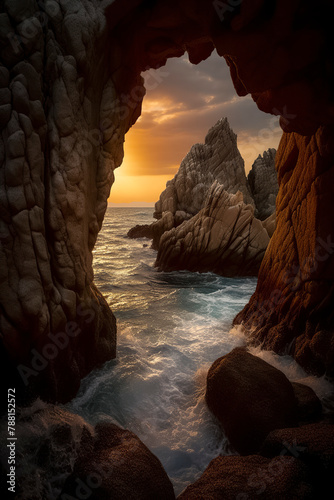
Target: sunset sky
{"points": [[182, 102]]}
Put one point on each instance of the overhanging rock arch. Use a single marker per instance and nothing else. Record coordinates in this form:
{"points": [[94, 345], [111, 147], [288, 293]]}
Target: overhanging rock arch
{"points": [[71, 88]]}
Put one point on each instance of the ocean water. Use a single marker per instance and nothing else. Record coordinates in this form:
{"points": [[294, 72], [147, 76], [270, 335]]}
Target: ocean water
{"points": [[171, 327]]}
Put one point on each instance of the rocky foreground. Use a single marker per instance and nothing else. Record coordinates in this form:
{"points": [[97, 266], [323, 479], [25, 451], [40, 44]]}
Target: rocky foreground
{"points": [[280, 434], [211, 217]]}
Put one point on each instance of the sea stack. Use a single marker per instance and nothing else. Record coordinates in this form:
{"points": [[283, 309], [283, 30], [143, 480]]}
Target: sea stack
{"points": [[206, 214]]}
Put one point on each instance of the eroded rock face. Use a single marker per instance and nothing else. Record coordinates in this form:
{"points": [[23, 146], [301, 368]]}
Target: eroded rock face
{"points": [[70, 88], [206, 216], [262, 180], [293, 303], [224, 238], [218, 159]]}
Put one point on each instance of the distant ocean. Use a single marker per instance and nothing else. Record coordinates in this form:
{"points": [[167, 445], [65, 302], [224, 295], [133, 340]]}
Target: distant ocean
{"points": [[171, 327]]}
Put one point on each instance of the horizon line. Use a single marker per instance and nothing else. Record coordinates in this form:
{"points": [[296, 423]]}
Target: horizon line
{"points": [[132, 204]]}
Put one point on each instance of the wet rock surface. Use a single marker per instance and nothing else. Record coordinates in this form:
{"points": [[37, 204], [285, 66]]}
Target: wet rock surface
{"points": [[250, 398]]}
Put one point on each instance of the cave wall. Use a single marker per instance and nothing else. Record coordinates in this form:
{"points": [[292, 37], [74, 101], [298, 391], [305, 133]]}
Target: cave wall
{"points": [[70, 89], [292, 308]]}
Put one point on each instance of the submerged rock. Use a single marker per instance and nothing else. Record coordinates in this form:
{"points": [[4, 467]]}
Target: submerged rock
{"points": [[250, 398]]}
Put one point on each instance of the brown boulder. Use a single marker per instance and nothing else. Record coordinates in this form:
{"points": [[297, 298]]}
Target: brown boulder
{"points": [[250, 398], [241, 478], [117, 466]]}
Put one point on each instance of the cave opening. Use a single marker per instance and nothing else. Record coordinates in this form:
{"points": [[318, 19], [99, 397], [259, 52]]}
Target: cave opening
{"points": [[182, 102]]}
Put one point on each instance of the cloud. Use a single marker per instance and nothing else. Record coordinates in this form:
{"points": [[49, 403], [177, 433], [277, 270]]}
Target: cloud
{"points": [[182, 103]]}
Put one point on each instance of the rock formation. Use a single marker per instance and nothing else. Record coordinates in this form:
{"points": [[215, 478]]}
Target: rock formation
{"points": [[233, 477], [262, 180], [293, 303], [250, 398], [117, 465], [217, 160], [224, 237], [255, 402], [59, 453], [206, 213], [70, 88]]}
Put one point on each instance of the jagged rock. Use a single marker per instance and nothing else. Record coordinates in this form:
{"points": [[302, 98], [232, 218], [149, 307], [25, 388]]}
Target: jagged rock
{"points": [[217, 160], [233, 477], [250, 398], [224, 237], [118, 466], [198, 231], [270, 224], [262, 180]]}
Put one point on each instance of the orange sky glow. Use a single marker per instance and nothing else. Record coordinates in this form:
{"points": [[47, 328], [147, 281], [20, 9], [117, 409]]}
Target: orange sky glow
{"points": [[182, 102]]}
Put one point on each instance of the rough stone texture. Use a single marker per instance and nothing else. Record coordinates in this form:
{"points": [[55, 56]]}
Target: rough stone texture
{"points": [[292, 308], [270, 224], [262, 180], [250, 398], [224, 238], [316, 439], [314, 445], [49, 440], [201, 226], [71, 87], [217, 160], [118, 466], [233, 477]]}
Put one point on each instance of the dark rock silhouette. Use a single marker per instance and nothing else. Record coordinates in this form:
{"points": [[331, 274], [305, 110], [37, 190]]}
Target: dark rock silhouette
{"points": [[250, 398]]}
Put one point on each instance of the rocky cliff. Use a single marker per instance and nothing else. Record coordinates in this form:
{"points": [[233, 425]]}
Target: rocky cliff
{"points": [[292, 307], [70, 88]]}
